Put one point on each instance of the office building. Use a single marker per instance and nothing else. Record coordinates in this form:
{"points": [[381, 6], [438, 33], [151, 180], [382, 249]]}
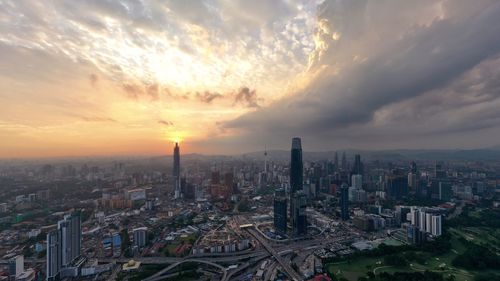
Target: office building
{"points": [[357, 181], [299, 222], [280, 211], [177, 171], [413, 167], [296, 166], [298, 199], [445, 191], [439, 172], [344, 201], [412, 182], [344, 161], [140, 236], [358, 165], [397, 186]]}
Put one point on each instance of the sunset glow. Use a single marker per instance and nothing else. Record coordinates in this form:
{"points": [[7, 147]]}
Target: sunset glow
{"points": [[107, 77]]}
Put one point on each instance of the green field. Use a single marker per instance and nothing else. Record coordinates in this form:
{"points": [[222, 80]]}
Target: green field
{"points": [[358, 267]]}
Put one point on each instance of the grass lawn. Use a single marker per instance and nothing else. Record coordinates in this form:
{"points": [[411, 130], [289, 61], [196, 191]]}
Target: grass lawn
{"points": [[356, 268]]}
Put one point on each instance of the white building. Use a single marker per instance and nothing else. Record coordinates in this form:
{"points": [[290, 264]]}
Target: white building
{"points": [[436, 225], [16, 266]]}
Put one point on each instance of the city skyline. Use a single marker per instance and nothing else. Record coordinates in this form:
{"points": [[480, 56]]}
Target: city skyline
{"points": [[226, 77]]}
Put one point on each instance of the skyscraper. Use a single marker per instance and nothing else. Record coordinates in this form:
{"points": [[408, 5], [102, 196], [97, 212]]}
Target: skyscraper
{"points": [[71, 238], [439, 171], [297, 201], [413, 167], [358, 165], [299, 223], [336, 160], [280, 211], [344, 161], [177, 171], [63, 245], [344, 201], [296, 166]]}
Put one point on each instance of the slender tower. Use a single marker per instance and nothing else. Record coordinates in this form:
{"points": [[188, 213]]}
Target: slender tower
{"points": [[177, 171], [265, 159], [296, 166]]}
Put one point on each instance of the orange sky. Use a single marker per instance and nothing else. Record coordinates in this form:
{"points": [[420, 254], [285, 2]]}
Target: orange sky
{"points": [[85, 79]]}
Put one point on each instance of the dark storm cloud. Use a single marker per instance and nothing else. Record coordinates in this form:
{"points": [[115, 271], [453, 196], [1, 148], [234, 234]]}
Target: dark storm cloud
{"points": [[418, 59]]}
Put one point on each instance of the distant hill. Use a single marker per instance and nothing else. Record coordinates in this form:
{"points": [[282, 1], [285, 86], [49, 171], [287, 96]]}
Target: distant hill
{"points": [[389, 155]]}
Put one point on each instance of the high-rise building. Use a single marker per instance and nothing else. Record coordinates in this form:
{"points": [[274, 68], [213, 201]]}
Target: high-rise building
{"points": [[140, 236], [445, 191], [344, 201], [177, 171], [436, 225], [298, 199], [63, 245], [296, 166], [413, 167], [357, 181], [54, 255], [439, 171], [71, 238], [16, 266], [397, 186], [336, 161], [299, 222], [358, 165], [344, 161], [280, 211], [412, 181]]}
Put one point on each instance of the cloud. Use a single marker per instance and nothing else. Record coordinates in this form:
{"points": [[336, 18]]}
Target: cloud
{"points": [[166, 123], [247, 97], [137, 91], [97, 119], [208, 97], [381, 59]]}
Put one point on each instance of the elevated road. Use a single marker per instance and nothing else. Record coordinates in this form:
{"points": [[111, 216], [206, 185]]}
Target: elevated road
{"points": [[160, 274], [286, 267]]}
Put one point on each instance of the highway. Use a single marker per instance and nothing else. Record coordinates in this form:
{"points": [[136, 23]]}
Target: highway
{"points": [[159, 275], [284, 265]]}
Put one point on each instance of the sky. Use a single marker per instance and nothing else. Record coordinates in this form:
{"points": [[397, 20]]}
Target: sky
{"points": [[102, 77]]}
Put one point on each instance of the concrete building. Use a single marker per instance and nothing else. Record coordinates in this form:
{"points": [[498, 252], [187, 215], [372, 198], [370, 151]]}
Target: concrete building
{"points": [[140, 236], [16, 267], [344, 202]]}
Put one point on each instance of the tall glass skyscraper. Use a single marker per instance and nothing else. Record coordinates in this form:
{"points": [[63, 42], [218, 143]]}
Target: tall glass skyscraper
{"points": [[280, 211], [177, 171], [296, 166], [297, 197]]}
